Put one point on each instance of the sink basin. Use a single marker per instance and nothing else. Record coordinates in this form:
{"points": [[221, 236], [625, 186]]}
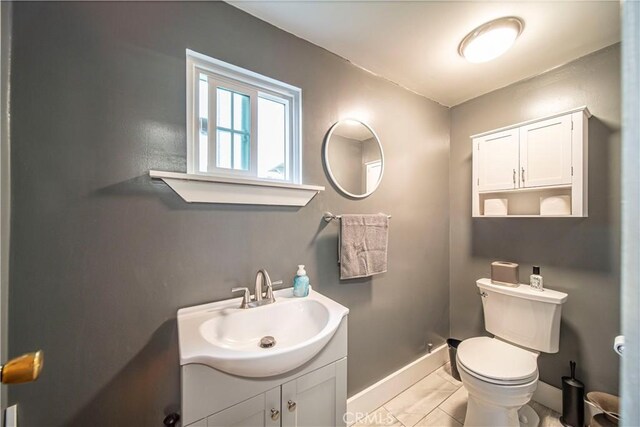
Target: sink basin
{"points": [[228, 338]]}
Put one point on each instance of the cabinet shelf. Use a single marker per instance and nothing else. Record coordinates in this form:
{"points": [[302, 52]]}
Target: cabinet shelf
{"points": [[526, 190], [525, 216]]}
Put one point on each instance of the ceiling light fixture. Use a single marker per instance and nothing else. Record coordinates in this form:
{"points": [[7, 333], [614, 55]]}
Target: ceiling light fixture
{"points": [[491, 39]]}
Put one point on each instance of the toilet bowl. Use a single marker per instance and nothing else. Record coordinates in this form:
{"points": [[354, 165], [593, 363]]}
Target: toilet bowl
{"points": [[501, 373], [500, 379]]}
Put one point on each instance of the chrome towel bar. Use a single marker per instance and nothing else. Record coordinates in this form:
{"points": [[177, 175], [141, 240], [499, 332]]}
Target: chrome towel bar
{"points": [[328, 216]]}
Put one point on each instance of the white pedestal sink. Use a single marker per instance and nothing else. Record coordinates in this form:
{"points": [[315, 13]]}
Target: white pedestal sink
{"points": [[227, 338]]}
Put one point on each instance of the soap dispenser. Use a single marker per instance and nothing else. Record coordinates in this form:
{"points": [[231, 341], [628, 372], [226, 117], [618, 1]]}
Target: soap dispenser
{"points": [[301, 283]]}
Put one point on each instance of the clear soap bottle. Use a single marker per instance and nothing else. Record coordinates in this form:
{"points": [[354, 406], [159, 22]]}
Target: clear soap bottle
{"points": [[535, 280], [301, 283]]}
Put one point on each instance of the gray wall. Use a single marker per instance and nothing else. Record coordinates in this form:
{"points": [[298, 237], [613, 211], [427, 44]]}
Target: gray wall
{"points": [[577, 256], [101, 258]]}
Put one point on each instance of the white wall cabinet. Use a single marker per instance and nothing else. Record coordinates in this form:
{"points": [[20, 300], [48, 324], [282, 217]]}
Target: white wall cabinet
{"points": [[498, 161], [545, 152], [528, 162]]}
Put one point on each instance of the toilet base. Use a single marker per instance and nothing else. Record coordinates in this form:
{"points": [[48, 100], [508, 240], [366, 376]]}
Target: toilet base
{"points": [[528, 417], [480, 414]]}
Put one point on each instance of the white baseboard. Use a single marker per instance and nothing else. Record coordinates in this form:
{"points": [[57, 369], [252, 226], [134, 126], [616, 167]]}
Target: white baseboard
{"points": [[11, 416], [387, 388], [549, 396]]}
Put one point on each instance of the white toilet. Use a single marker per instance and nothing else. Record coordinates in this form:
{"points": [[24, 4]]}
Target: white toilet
{"points": [[501, 373]]}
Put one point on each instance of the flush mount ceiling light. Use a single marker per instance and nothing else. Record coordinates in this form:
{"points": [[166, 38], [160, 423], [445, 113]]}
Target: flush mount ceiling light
{"points": [[491, 39]]}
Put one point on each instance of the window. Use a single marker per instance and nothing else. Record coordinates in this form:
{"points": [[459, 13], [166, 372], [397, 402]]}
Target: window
{"points": [[241, 124]]}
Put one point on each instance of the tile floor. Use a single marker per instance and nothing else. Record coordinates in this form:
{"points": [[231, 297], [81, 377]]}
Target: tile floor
{"points": [[438, 400]]}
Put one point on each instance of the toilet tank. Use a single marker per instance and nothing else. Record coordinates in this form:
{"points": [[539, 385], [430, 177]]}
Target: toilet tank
{"points": [[523, 315]]}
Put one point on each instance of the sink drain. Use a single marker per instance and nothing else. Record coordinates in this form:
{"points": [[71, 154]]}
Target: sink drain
{"points": [[267, 342]]}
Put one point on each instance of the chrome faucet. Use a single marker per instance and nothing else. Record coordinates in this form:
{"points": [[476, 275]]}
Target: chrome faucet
{"points": [[262, 281]]}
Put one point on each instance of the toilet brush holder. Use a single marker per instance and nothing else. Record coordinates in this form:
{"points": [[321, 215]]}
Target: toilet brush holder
{"points": [[572, 399]]}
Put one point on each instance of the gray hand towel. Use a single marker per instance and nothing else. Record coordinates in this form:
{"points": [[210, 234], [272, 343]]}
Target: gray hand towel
{"points": [[362, 245]]}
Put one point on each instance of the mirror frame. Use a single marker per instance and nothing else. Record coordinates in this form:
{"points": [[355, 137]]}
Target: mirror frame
{"points": [[327, 165]]}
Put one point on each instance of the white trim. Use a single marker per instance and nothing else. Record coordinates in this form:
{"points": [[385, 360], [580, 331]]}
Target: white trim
{"points": [[231, 180], [528, 122], [214, 189], [378, 394], [387, 388], [11, 416], [549, 396], [630, 277], [5, 181]]}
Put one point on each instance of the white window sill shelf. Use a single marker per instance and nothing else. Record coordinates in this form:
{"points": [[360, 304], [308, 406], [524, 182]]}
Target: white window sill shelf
{"points": [[212, 189]]}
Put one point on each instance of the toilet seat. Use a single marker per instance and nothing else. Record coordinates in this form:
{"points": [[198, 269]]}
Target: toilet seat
{"points": [[497, 362]]}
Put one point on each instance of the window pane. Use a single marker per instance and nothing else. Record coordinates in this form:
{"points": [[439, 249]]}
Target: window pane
{"points": [[272, 139], [241, 112], [224, 108], [241, 151], [223, 155], [203, 119]]}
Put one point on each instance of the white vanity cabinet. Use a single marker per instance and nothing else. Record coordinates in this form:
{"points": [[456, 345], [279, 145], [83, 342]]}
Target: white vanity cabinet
{"points": [[529, 162], [314, 394], [259, 411], [316, 399]]}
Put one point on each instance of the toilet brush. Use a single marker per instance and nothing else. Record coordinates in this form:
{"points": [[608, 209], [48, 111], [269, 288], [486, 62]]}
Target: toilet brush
{"points": [[572, 399]]}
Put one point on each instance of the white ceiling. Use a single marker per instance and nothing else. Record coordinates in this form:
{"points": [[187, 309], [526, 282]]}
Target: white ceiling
{"points": [[414, 43]]}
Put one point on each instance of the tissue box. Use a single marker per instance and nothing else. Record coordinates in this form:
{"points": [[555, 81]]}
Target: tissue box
{"points": [[505, 273], [496, 206], [555, 205]]}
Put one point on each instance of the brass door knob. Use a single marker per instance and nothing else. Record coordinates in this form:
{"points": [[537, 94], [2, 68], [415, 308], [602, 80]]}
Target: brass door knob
{"points": [[22, 369]]}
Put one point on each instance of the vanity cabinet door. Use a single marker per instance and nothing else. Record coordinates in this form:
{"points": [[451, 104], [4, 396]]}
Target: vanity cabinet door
{"points": [[259, 411], [318, 398], [496, 161], [545, 152]]}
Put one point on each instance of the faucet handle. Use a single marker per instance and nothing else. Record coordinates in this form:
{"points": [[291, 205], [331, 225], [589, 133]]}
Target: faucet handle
{"points": [[246, 297], [269, 295]]}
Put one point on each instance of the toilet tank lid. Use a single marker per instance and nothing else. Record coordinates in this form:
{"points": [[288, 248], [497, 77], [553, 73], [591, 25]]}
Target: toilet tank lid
{"points": [[524, 291]]}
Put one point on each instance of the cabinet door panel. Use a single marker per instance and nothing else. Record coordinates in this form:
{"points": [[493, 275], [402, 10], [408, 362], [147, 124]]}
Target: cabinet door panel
{"points": [[545, 152], [319, 397], [497, 161], [254, 412]]}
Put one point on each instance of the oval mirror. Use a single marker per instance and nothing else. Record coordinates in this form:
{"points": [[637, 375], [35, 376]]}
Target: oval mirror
{"points": [[353, 158]]}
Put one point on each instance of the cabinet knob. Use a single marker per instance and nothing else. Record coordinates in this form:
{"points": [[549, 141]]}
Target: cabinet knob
{"points": [[275, 414], [291, 405]]}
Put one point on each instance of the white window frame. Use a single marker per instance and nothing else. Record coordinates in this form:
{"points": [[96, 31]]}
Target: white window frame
{"points": [[254, 85]]}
